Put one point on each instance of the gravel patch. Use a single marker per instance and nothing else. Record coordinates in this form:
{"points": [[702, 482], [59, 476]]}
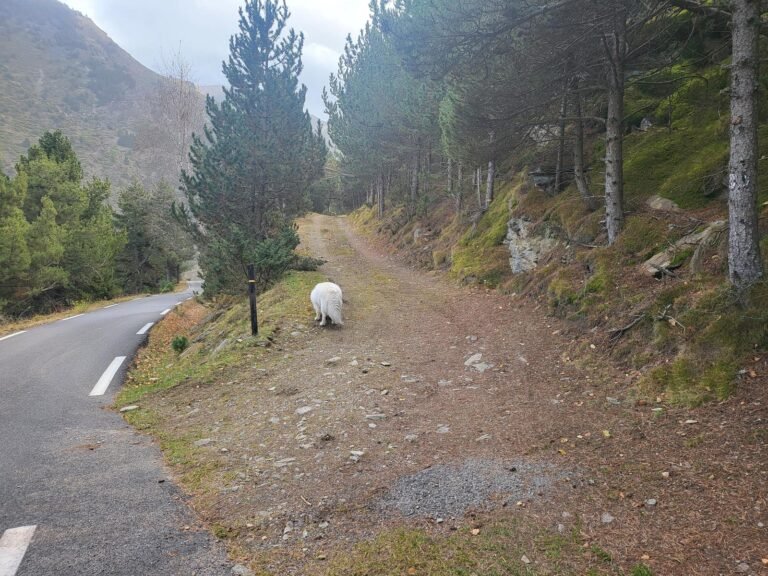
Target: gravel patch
{"points": [[451, 490]]}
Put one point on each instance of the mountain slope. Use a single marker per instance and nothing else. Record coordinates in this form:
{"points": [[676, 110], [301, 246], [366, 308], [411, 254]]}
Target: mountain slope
{"points": [[58, 70]]}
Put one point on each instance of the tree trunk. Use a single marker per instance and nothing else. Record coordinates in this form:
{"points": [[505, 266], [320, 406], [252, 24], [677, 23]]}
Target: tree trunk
{"points": [[459, 186], [415, 178], [478, 179], [578, 157], [744, 262], [380, 194], [449, 182], [616, 47], [489, 184], [561, 138]]}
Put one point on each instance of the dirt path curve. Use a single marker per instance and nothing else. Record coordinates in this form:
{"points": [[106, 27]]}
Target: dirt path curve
{"points": [[428, 329], [445, 392]]}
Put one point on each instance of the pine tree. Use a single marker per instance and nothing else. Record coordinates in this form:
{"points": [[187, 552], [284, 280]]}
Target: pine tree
{"points": [[156, 245], [252, 169], [14, 253], [47, 277], [65, 243], [745, 264]]}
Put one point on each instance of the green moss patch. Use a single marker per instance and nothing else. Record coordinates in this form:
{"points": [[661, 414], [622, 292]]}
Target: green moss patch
{"points": [[721, 331], [480, 255]]}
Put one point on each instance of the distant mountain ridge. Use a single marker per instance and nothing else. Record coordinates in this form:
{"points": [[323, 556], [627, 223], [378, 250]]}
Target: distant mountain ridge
{"points": [[58, 70]]}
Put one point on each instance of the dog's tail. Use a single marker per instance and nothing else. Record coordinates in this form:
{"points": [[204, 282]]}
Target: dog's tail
{"points": [[334, 309]]}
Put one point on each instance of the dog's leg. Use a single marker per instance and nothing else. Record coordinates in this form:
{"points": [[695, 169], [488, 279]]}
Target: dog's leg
{"points": [[317, 311], [322, 322]]}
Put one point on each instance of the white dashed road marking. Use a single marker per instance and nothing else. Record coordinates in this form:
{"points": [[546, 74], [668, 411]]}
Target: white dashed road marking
{"points": [[70, 317], [13, 546], [164, 312], [106, 378], [146, 327], [12, 335], [110, 306]]}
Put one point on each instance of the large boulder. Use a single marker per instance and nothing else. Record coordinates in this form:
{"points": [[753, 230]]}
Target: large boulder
{"points": [[664, 204], [527, 246]]}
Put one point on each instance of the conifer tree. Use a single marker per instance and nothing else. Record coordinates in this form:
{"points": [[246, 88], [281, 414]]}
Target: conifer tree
{"points": [[14, 253], [253, 167], [65, 243]]}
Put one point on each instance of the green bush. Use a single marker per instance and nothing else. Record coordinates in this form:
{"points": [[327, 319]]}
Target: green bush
{"points": [[180, 343]]}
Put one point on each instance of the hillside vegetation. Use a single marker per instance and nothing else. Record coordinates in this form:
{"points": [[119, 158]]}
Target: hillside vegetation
{"points": [[59, 71], [498, 175]]}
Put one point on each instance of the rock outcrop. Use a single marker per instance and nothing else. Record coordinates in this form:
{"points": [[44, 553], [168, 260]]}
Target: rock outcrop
{"points": [[526, 246]]}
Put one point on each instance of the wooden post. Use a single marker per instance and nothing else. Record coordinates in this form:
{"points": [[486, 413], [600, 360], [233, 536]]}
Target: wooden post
{"points": [[252, 298]]}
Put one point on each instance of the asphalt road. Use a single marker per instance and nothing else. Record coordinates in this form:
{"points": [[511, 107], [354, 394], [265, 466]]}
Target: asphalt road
{"points": [[96, 492]]}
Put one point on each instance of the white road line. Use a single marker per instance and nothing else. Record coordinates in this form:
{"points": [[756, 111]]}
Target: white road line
{"points": [[106, 378], [110, 306], [146, 327], [70, 317], [164, 312], [13, 546], [12, 335], [190, 298]]}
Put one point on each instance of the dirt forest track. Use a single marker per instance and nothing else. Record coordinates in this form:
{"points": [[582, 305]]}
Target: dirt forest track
{"points": [[440, 401]]}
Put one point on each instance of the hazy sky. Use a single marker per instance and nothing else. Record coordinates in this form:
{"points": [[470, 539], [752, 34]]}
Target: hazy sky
{"points": [[152, 31]]}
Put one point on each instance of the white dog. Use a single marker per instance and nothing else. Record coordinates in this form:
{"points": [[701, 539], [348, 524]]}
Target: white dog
{"points": [[326, 300]]}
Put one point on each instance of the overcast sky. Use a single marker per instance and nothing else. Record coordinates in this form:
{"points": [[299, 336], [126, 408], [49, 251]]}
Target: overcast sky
{"points": [[152, 31]]}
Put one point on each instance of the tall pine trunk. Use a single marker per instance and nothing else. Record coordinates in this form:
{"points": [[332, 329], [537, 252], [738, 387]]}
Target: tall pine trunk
{"points": [[490, 182], [478, 179], [744, 262], [459, 186], [415, 177], [615, 45], [380, 194], [578, 155], [561, 138]]}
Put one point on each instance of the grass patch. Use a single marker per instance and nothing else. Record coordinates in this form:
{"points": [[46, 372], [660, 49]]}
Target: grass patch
{"points": [[497, 548], [220, 337], [723, 331]]}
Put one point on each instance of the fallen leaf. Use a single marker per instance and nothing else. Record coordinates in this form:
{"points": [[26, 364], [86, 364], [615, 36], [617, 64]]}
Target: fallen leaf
{"points": [[606, 433], [411, 570], [562, 452], [475, 532]]}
